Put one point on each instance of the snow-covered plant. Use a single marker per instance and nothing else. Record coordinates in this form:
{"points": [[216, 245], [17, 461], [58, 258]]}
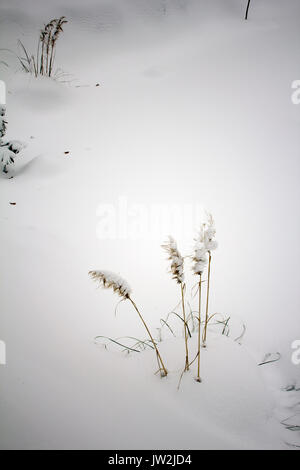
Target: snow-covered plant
{"points": [[110, 280], [176, 270], [6, 158], [8, 150], [210, 244], [199, 265], [3, 123]]}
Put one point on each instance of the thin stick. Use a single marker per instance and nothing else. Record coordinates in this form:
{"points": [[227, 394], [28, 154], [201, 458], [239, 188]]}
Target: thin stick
{"points": [[165, 372], [207, 300], [199, 331], [185, 330], [247, 9]]}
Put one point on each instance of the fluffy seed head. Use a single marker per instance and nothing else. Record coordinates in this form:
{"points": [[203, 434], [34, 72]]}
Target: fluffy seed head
{"points": [[200, 253], [209, 234], [176, 260], [108, 279]]}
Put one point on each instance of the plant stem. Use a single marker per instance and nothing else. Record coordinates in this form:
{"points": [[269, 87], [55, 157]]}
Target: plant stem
{"points": [[207, 300], [185, 330], [42, 59], [37, 59], [51, 57], [247, 9], [48, 50], [199, 331], [165, 372], [50, 64]]}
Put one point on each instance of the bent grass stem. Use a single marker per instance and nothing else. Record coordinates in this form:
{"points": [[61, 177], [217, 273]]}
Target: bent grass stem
{"points": [[164, 370]]}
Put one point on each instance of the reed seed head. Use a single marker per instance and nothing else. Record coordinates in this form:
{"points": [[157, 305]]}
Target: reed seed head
{"points": [[110, 280], [42, 35], [200, 253], [58, 28], [209, 234], [176, 260]]}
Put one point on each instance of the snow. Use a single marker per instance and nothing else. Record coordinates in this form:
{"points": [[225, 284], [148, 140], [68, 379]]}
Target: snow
{"points": [[109, 401], [193, 108]]}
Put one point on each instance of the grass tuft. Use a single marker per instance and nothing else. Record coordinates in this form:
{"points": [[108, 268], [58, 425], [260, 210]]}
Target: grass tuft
{"points": [[42, 63]]}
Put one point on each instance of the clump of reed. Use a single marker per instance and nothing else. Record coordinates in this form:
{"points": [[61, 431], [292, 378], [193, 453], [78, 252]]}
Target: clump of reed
{"points": [[110, 280], [42, 63], [204, 244]]}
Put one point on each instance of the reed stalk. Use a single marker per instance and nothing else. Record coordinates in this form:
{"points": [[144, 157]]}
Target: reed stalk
{"points": [[185, 329], [199, 328], [176, 269], [207, 300]]}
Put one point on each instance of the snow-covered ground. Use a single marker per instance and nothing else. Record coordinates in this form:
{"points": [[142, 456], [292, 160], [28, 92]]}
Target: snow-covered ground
{"points": [[193, 109]]}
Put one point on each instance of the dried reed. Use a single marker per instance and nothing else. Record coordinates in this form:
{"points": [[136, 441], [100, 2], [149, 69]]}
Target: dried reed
{"points": [[43, 62], [113, 281]]}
